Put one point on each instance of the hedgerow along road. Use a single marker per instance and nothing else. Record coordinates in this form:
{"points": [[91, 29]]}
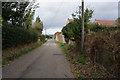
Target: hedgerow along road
{"points": [[47, 61]]}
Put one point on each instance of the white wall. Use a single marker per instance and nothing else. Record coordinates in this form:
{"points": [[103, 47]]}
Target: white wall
{"points": [[60, 38]]}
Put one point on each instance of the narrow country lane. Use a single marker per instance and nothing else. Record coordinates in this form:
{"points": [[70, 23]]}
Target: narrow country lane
{"points": [[47, 61]]}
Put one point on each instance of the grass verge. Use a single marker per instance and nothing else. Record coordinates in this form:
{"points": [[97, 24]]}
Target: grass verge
{"points": [[62, 45], [20, 53], [72, 60]]}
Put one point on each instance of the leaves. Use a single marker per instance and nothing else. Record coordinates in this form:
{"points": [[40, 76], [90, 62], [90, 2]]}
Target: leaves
{"points": [[14, 13], [13, 36], [38, 25], [73, 29], [19, 14]]}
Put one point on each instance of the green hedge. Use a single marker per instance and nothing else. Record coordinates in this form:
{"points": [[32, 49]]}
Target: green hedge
{"points": [[13, 36], [42, 37], [99, 28]]}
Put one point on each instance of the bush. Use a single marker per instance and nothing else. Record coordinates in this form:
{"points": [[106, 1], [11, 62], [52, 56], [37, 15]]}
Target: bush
{"points": [[104, 49], [42, 38], [102, 28], [81, 60], [70, 47], [13, 36]]}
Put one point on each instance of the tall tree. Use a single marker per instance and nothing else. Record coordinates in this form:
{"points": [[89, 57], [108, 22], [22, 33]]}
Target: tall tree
{"points": [[14, 13], [72, 31], [75, 26], [29, 13], [38, 25], [19, 13]]}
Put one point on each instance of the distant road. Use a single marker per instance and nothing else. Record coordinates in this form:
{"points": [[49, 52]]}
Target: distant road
{"points": [[47, 61]]}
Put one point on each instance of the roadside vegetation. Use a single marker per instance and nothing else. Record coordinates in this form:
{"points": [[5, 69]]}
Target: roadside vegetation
{"points": [[101, 56], [80, 65], [13, 36], [7, 60], [19, 34]]}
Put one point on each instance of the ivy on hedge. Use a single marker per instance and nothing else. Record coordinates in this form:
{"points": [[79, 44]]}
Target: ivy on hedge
{"points": [[13, 36]]}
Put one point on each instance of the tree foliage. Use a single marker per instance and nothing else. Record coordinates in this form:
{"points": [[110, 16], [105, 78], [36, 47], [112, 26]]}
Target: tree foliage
{"points": [[118, 21], [95, 27], [13, 36], [14, 13], [72, 31], [38, 25], [29, 14], [18, 13]]}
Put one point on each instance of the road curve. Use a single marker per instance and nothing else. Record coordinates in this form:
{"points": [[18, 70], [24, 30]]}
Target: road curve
{"points": [[47, 61]]}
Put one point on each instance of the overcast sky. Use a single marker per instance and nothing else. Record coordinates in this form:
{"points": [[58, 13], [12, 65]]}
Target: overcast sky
{"points": [[54, 13]]}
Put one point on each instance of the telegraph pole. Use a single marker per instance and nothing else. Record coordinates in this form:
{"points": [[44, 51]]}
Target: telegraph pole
{"points": [[82, 40]]}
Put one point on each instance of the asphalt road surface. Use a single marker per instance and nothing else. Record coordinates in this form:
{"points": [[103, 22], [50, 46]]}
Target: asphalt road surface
{"points": [[47, 61]]}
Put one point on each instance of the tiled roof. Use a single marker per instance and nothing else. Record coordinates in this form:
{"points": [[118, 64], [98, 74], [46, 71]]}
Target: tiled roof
{"points": [[58, 33], [106, 23]]}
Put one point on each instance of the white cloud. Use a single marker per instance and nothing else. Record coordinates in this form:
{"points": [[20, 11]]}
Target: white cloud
{"points": [[78, 0], [55, 14], [51, 31]]}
